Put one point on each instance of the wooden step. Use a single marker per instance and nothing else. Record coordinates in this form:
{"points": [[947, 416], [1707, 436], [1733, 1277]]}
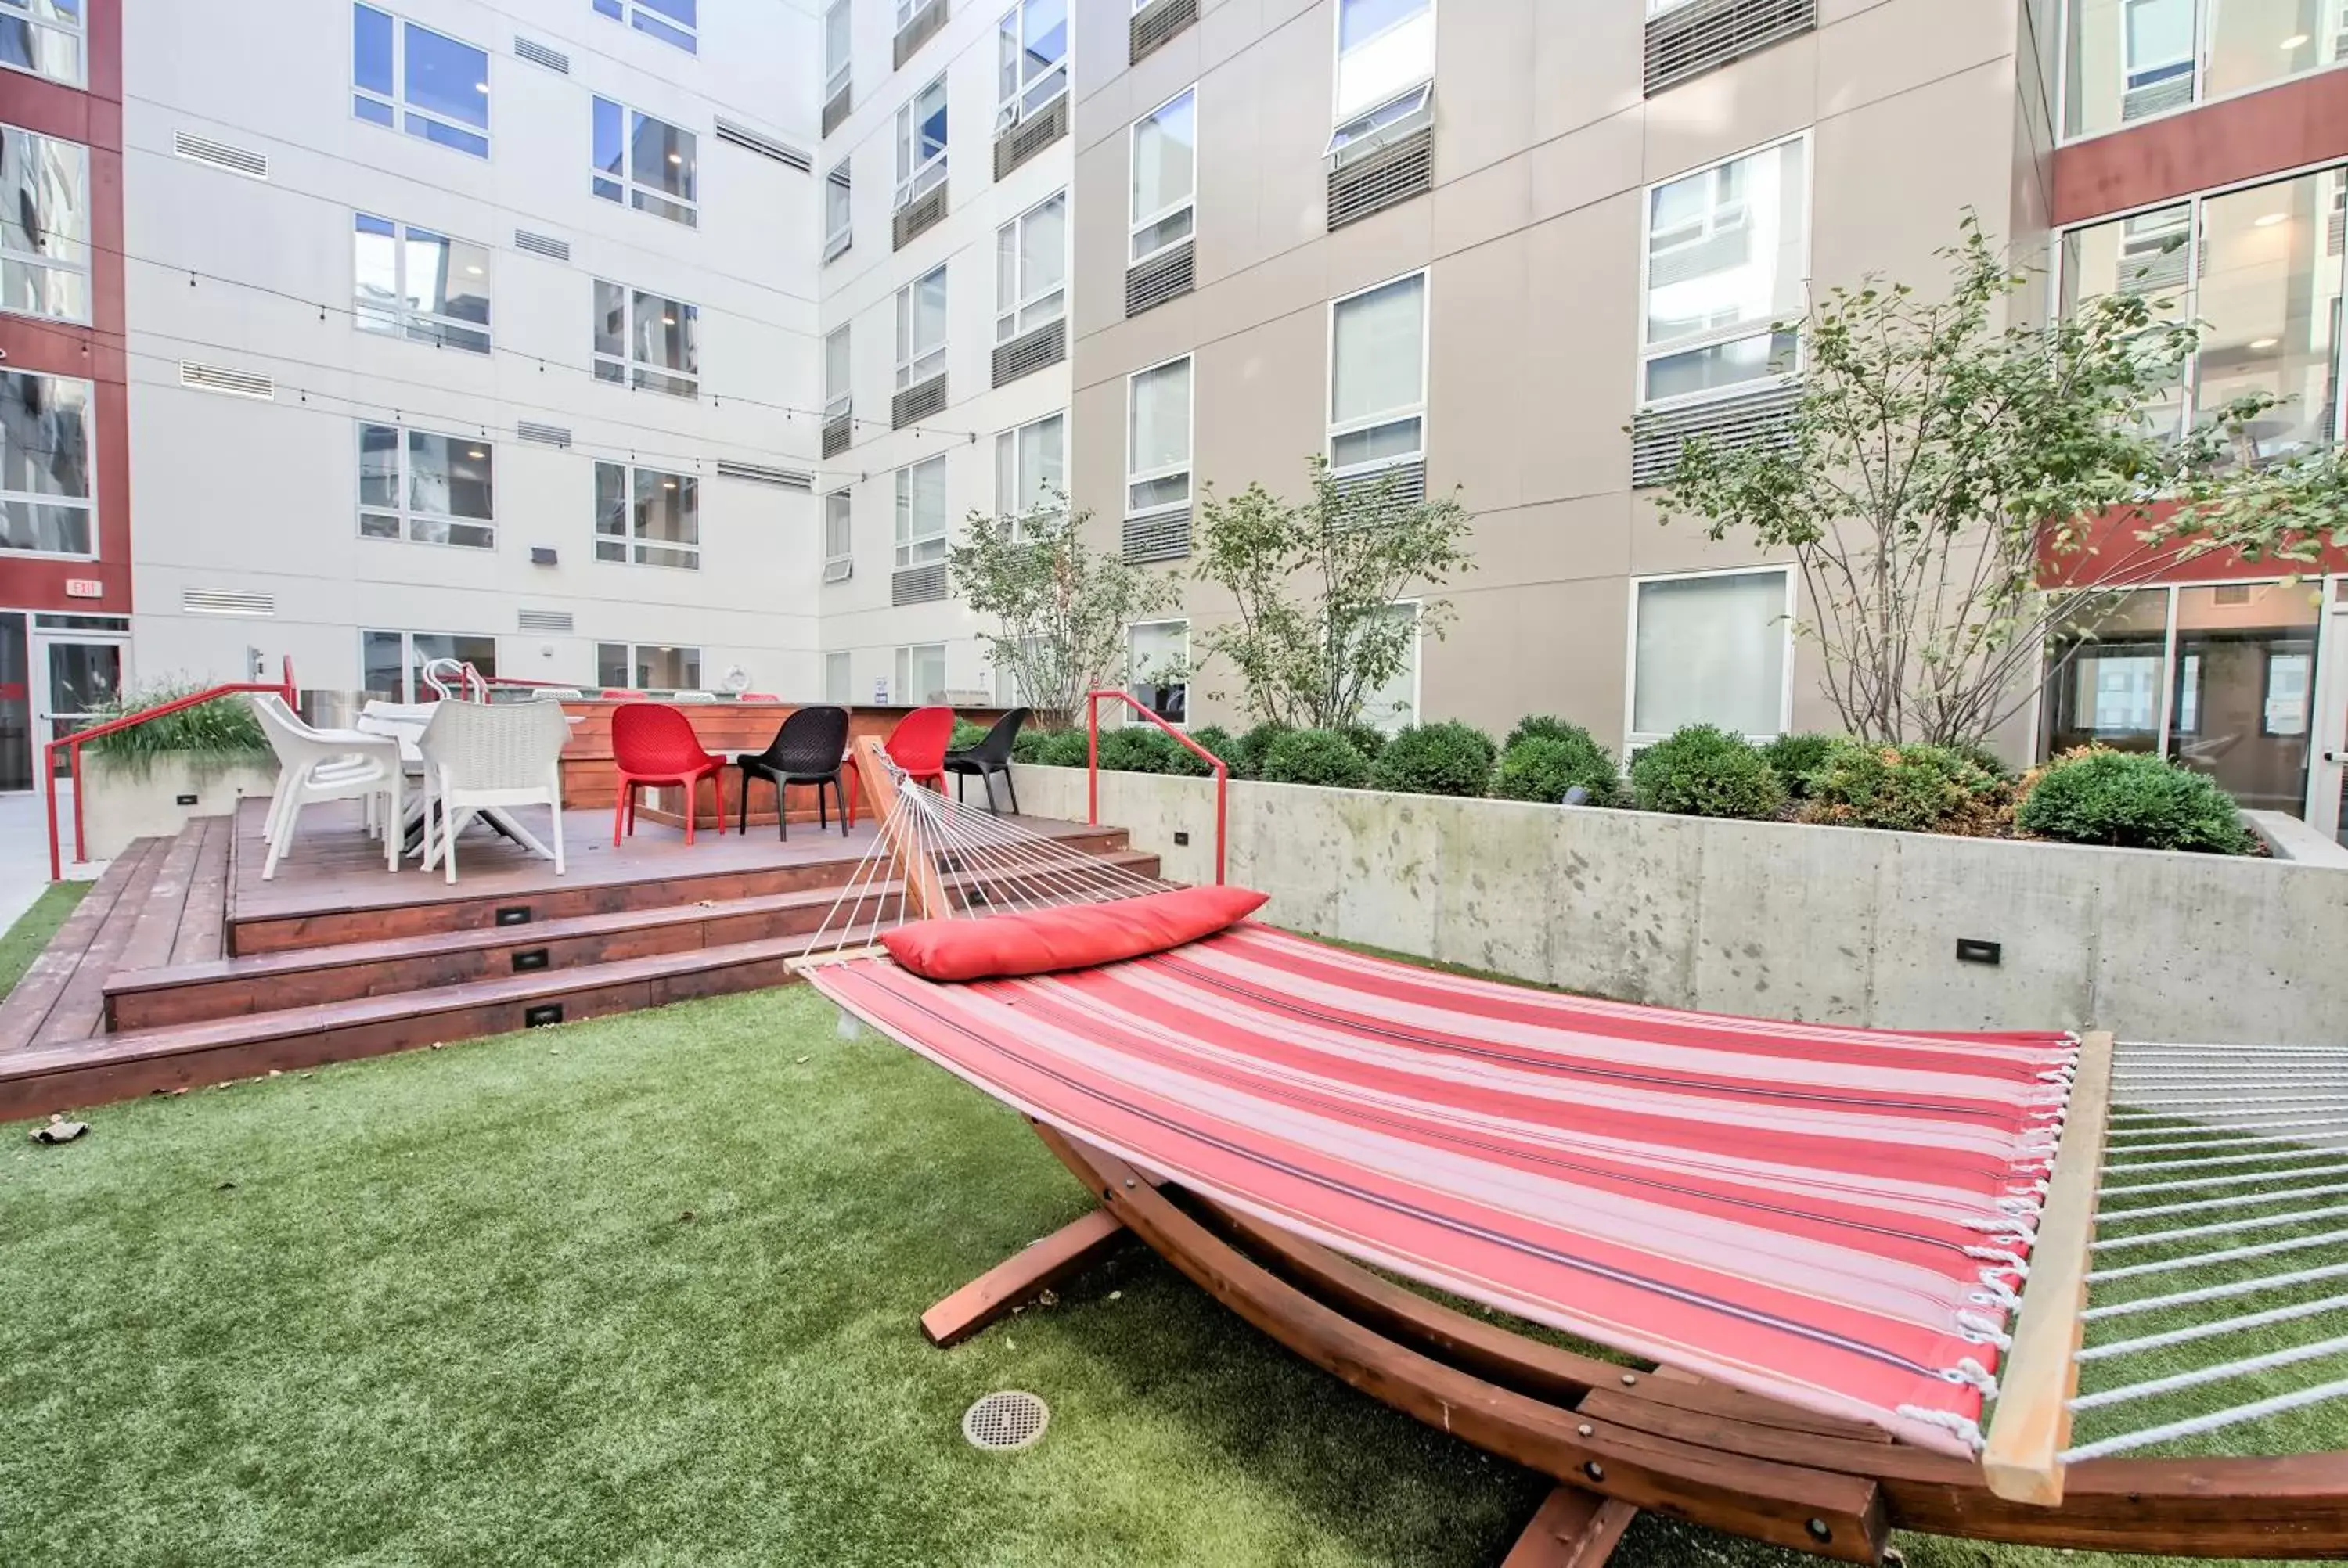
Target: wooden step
{"points": [[44, 983], [80, 1010], [430, 905], [226, 988]]}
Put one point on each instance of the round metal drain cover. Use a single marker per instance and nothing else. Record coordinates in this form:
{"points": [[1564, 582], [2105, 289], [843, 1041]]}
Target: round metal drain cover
{"points": [[1012, 1419]]}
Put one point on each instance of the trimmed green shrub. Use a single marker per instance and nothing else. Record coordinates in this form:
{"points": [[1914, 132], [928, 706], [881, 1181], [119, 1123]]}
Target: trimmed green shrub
{"points": [[1913, 788], [1368, 740], [1540, 727], [1978, 754], [1314, 757], [211, 737], [1703, 771], [1449, 758], [1247, 758], [1794, 757], [1052, 748], [1220, 742], [965, 734], [1139, 749], [2133, 799], [1544, 767]]}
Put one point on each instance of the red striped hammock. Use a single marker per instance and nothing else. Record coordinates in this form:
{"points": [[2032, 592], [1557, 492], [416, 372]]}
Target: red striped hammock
{"points": [[1828, 1215]]}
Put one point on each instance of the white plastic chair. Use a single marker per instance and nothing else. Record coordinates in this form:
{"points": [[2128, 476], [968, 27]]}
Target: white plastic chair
{"points": [[477, 756], [326, 765]]}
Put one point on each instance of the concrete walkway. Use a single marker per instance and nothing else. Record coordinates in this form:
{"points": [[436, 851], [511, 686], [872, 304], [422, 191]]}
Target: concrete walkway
{"points": [[24, 850]]}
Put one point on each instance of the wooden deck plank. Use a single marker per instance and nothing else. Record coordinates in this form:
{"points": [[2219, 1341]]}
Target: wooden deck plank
{"points": [[26, 1008], [157, 923], [205, 924], [80, 1007]]}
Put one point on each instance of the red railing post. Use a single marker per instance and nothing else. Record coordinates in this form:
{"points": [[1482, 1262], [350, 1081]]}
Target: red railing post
{"points": [[1092, 758], [1092, 765], [49, 768], [81, 841]]}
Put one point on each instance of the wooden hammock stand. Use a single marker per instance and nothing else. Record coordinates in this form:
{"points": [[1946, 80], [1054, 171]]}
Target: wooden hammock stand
{"points": [[1620, 1439]]}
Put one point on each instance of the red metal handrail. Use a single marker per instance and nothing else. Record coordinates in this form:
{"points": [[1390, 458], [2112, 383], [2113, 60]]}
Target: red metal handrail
{"points": [[74, 743], [1092, 762]]}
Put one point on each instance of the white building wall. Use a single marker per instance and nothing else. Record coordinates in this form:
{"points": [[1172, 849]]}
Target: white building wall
{"points": [[241, 494], [859, 288]]}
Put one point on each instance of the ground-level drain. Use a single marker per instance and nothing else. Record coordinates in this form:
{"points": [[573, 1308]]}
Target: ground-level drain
{"points": [[1011, 1418]]}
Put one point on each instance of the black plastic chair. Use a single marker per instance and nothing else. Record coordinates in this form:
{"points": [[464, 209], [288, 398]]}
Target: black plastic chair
{"points": [[989, 757], [811, 748]]}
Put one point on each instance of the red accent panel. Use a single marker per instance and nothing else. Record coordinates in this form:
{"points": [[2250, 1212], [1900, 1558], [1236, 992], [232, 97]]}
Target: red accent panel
{"points": [[1074, 937], [2287, 126], [2113, 556]]}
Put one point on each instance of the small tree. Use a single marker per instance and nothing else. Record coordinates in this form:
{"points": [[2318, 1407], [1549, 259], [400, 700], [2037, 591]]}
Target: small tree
{"points": [[1314, 581], [1936, 465], [1060, 608]]}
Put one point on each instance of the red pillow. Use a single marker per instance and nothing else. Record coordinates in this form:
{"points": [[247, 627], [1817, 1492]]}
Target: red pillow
{"points": [[1070, 937]]}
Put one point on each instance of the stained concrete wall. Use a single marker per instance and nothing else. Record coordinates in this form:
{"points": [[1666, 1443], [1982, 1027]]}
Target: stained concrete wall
{"points": [[1772, 919]]}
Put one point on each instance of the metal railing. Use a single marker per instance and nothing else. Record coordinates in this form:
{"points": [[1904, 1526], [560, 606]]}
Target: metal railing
{"points": [[72, 744], [1092, 762]]}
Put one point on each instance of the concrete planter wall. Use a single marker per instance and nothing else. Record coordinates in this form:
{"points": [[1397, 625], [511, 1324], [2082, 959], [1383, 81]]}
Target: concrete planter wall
{"points": [[119, 804], [1778, 919]]}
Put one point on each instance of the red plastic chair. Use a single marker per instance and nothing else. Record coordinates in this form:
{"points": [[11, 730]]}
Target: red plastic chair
{"points": [[918, 745], [652, 743]]}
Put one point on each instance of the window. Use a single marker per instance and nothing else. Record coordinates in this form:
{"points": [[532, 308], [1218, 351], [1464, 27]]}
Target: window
{"points": [[391, 664], [1032, 51], [1157, 667], [1711, 648], [1158, 438], [839, 212], [921, 329], [1031, 270], [2258, 269], [1385, 48], [43, 224], [921, 141], [646, 341], [647, 516], [422, 82], [42, 36], [433, 490], [1031, 471], [1395, 703], [922, 513], [1165, 175], [647, 668], [1393, 111], [46, 441], [839, 39], [839, 536], [921, 674], [1727, 251], [2127, 60], [837, 400], [650, 164], [670, 21], [838, 678], [427, 288], [1377, 375]]}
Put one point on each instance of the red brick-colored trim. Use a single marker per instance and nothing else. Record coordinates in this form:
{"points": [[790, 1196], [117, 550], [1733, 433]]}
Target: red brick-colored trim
{"points": [[2291, 124]]}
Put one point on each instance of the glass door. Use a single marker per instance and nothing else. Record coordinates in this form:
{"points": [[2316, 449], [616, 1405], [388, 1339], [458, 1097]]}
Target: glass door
{"points": [[15, 704], [2327, 774], [76, 677]]}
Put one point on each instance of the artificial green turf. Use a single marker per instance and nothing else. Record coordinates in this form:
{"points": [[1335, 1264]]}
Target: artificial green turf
{"points": [[644, 1290], [23, 942]]}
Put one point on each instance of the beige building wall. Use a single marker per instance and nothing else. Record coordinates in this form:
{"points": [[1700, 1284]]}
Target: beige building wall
{"points": [[1533, 240]]}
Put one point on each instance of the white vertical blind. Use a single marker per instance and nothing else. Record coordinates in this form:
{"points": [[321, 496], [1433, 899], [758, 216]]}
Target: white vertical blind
{"points": [[1161, 417], [1379, 359], [1383, 48], [1165, 162], [1711, 650]]}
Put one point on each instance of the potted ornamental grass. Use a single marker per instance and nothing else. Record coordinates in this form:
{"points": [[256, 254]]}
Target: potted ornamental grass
{"points": [[151, 777]]}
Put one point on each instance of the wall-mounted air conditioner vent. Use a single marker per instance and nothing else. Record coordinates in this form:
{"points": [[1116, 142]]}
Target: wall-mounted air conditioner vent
{"points": [[1689, 40], [545, 245], [839, 570], [1657, 437], [221, 378], [839, 433], [1392, 174], [1150, 283], [555, 620], [918, 402], [921, 213], [759, 474], [917, 585], [919, 31], [1396, 486], [543, 435], [226, 601], [1031, 135], [1154, 24], [221, 155], [742, 136], [2156, 98], [1031, 352], [1161, 535], [537, 54]]}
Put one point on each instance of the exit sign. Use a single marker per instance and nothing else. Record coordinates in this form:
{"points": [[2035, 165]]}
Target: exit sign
{"points": [[85, 587]]}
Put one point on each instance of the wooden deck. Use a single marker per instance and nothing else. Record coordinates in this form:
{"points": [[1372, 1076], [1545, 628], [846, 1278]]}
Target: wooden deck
{"points": [[184, 966]]}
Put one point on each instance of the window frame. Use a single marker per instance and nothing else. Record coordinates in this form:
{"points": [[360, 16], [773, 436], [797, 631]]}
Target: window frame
{"points": [[1188, 467], [1132, 627], [1008, 324], [846, 497], [844, 660], [633, 544], [838, 242], [910, 356], [1413, 714], [1337, 52], [398, 102], [2201, 61], [411, 667], [625, 189], [1011, 435], [1014, 108], [1648, 353], [640, 374], [85, 503], [631, 651], [408, 515], [1135, 225], [77, 31], [903, 556], [401, 320], [840, 76], [917, 179], [664, 27], [46, 260], [1418, 412], [1635, 738], [836, 403], [901, 672]]}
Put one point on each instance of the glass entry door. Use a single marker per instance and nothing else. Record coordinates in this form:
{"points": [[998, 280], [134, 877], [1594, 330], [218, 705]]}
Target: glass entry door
{"points": [[76, 677], [15, 703], [2327, 785]]}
